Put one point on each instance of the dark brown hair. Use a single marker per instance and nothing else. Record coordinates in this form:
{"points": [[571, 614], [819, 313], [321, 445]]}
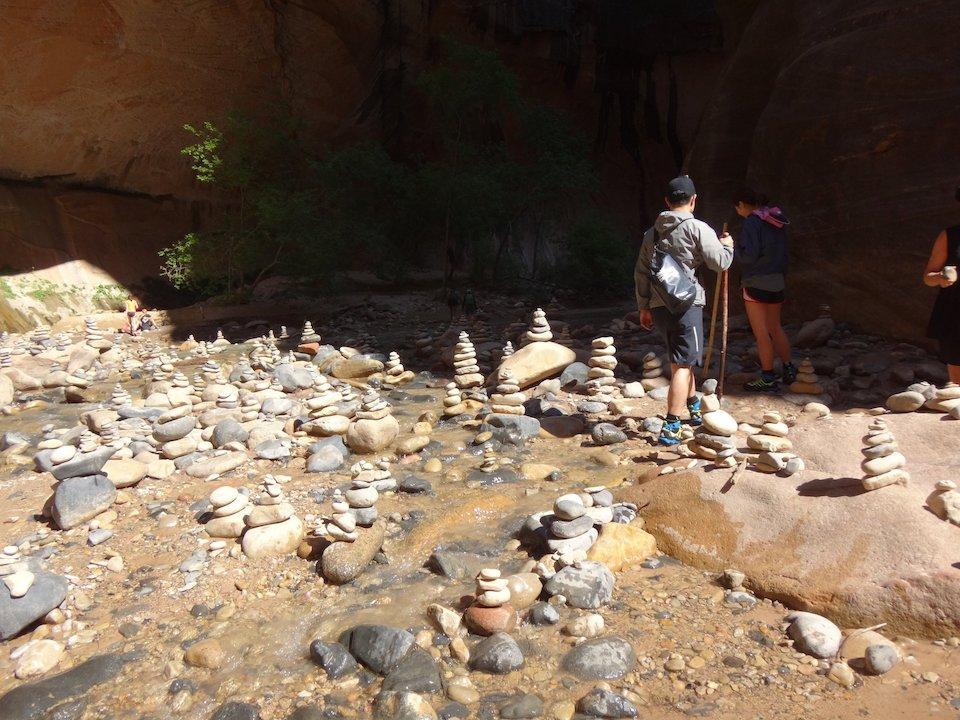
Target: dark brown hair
{"points": [[750, 197]]}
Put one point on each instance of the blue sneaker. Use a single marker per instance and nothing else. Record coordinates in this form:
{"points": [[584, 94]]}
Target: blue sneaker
{"points": [[696, 416], [670, 434]]}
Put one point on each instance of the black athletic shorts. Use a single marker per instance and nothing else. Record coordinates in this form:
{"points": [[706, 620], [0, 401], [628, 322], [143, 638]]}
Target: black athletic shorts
{"points": [[683, 334], [950, 350]]}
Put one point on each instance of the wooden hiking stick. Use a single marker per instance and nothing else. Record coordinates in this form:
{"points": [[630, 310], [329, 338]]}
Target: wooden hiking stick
{"points": [[723, 338], [713, 322]]}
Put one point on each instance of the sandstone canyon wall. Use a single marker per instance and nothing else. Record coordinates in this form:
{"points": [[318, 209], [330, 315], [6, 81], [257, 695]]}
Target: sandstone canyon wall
{"points": [[844, 111]]}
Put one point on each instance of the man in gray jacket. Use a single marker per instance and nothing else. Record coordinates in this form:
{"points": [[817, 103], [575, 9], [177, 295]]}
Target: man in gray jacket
{"points": [[692, 243]]}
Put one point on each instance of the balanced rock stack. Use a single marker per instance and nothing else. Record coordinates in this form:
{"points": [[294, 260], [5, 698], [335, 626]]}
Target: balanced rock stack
{"points": [[539, 328], [349, 401], [308, 334], [221, 341], [362, 499], [466, 371], [373, 428], [284, 335], [772, 436], [272, 526], [883, 463], [119, 397], [653, 372], [507, 350], [94, 336], [491, 611], [6, 359], [249, 407], [601, 384], [945, 400], [507, 400], [324, 406], [807, 382], [713, 440], [376, 475], [230, 506], [453, 404], [571, 529], [210, 369], [773, 445], [394, 374], [342, 525]]}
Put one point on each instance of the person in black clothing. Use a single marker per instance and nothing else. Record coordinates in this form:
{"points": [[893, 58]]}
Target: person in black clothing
{"points": [[453, 302], [469, 303], [941, 272], [761, 252]]}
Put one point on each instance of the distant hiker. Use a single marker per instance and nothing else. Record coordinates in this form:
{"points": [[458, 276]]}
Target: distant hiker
{"points": [[761, 252], [941, 272], [670, 297], [131, 309], [469, 303], [453, 302]]}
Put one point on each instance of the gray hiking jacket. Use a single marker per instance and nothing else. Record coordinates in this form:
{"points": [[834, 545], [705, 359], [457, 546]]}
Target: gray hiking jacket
{"points": [[691, 242]]}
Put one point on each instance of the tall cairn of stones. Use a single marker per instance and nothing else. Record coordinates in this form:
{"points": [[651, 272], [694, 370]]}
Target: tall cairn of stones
{"points": [[714, 440], [774, 447], [230, 506], [652, 372], [491, 611], [507, 400], [272, 527], [326, 416], [374, 427], [883, 462], [601, 384], [507, 350], [466, 371], [342, 525], [539, 328], [807, 382], [453, 404], [394, 373], [308, 334]]}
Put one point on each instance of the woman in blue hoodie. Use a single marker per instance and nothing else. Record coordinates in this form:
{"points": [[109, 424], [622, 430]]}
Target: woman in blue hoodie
{"points": [[761, 251]]}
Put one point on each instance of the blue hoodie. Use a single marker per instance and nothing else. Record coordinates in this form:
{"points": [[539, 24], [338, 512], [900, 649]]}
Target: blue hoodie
{"points": [[762, 250]]}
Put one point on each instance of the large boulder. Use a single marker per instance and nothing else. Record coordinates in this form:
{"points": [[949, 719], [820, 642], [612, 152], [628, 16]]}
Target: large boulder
{"points": [[896, 564], [538, 361], [343, 561], [79, 499], [293, 377], [279, 538], [370, 436]]}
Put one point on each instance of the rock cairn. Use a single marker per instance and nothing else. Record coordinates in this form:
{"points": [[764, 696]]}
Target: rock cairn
{"points": [[507, 350], [284, 335], [652, 376], [883, 462], [249, 407], [713, 440], [571, 529], [601, 384], [807, 382], [539, 328], [220, 340], [119, 396], [773, 445], [6, 359], [362, 499], [491, 611], [94, 336], [376, 475], [325, 409], [308, 334], [772, 436], [229, 508], [507, 400], [394, 373], [272, 526], [466, 371], [453, 404], [374, 427], [342, 525]]}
